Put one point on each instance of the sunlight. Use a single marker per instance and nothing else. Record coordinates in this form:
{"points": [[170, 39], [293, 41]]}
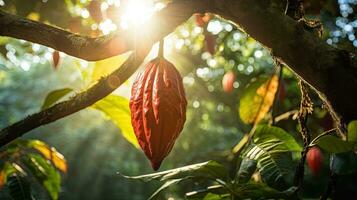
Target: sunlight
{"points": [[137, 12]]}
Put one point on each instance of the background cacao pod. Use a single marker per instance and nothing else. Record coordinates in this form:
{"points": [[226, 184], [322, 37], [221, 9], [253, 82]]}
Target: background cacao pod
{"points": [[158, 109], [228, 81], [314, 160]]}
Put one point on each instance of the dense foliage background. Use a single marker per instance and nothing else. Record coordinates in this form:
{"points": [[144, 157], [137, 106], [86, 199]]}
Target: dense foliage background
{"points": [[93, 145]]}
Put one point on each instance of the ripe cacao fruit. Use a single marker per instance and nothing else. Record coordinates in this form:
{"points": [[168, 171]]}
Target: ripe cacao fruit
{"points": [[227, 81], [55, 59], [314, 160], [158, 109], [199, 20]]}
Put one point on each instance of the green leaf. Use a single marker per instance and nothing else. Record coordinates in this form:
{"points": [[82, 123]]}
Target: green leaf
{"points": [[246, 170], [334, 144], [117, 109], [265, 133], [261, 191], [6, 169], [164, 186], [50, 153], [211, 192], [344, 163], [54, 96], [107, 66], [19, 188], [44, 172], [272, 148], [208, 170], [257, 99], [352, 131]]}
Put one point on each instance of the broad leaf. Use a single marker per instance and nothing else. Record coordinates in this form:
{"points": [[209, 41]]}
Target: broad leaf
{"points": [[209, 193], [352, 131], [343, 163], [6, 170], [54, 96], [107, 66], [272, 148], [257, 99], [45, 173], [164, 186], [246, 170], [261, 191], [210, 170], [50, 153], [334, 144], [117, 109], [265, 133]]}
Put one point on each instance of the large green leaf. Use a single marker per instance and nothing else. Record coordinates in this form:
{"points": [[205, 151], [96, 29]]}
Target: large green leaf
{"points": [[54, 96], [343, 163], [246, 170], [352, 131], [44, 172], [261, 191], [209, 170], [117, 109], [265, 133], [107, 66], [257, 99], [210, 193], [334, 144], [272, 148]]}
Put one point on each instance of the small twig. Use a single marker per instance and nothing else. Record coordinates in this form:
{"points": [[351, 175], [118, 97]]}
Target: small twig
{"points": [[312, 143], [306, 108]]}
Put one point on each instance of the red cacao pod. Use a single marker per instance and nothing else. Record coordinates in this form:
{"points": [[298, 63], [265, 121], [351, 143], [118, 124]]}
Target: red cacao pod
{"points": [[199, 20], [227, 81], [158, 109], [314, 160], [55, 59]]}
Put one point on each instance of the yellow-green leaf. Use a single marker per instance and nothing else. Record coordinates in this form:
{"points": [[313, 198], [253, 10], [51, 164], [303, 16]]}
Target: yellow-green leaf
{"points": [[107, 66], [50, 153], [117, 109], [352, 131], [54, 96], [257, 99]]}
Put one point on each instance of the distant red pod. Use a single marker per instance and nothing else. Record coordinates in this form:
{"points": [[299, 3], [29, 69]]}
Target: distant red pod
{"points": [[228, 81], [55, 59], [199, 20], [158, 109], [314, 160]]}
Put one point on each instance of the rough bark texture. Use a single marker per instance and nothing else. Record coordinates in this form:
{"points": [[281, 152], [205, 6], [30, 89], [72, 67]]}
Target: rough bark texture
{"points": [[330, 71]]}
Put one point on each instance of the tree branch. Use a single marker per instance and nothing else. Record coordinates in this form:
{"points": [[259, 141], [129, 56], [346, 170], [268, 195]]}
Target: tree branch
{"points": [[92, 49], [105, 86]]}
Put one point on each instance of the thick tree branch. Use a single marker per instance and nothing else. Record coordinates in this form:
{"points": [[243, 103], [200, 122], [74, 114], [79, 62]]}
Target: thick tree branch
{"points": [[106, 85], [330, 71], [92, 49]]}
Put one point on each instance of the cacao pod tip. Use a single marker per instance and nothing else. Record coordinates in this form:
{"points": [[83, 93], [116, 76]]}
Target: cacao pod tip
{"points": [[155, 164]]}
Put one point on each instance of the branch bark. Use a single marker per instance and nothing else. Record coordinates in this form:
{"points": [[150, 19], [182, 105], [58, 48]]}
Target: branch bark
{"points": [[330, 71]]}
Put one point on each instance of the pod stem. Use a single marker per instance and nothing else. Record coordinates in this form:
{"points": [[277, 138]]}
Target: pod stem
{"points": [[161, 48]]}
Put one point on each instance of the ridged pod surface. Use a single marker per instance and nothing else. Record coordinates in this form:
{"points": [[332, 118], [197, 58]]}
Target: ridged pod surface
{"points": [[158, 109]]}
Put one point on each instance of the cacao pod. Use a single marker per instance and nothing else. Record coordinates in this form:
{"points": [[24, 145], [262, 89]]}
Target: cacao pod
{"points": [[314, 160], [55, 59], [227, 81], [199, 20], [158, 109]]}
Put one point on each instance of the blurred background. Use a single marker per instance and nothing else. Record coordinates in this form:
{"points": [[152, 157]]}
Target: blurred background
{"points": [[203, 49]]}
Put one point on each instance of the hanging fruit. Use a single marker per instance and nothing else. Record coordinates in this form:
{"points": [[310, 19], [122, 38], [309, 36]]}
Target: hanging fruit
{"points": [[210, 42], [314, 160], [95, 10], [55, 59], [158, 108], [199, 20], [228, 81]]}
